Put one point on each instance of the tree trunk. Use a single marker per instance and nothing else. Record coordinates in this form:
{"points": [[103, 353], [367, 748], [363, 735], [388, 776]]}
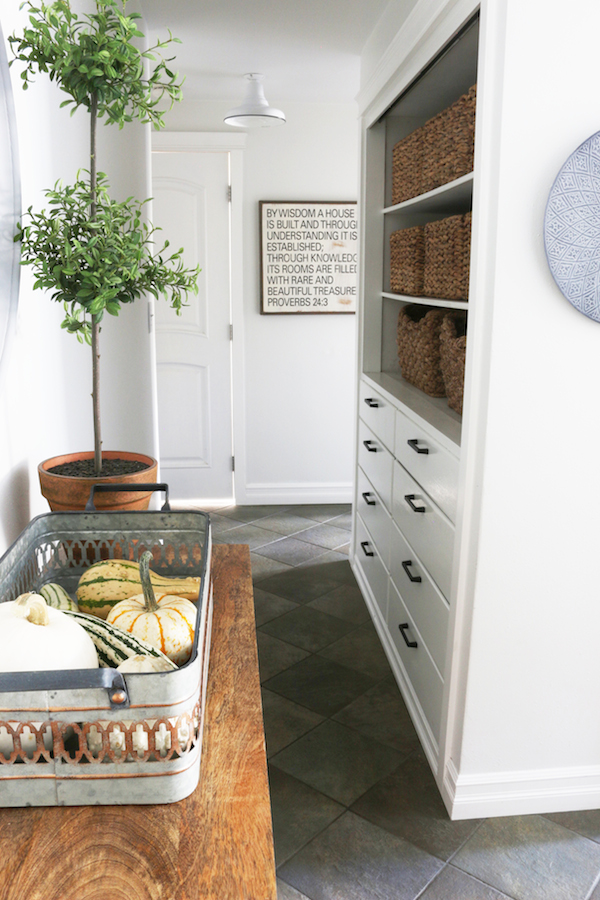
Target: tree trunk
{"points": [[95, 324]]}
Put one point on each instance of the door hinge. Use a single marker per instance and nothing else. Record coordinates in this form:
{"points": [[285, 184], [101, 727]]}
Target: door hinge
{"points": [[229, 193], [233, 463], [231, 332]]}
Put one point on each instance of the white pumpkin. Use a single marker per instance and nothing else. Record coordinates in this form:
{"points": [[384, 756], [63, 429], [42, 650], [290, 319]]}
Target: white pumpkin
{"points": [[165, 621], [35, 637]]}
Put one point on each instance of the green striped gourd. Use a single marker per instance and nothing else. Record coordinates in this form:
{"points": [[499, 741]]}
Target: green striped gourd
{"points": [[111, 580], [56, 596], [113, 644]]}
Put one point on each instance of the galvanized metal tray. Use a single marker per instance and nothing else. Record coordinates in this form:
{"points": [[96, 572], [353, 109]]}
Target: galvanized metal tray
{"points": [[96, 736]]}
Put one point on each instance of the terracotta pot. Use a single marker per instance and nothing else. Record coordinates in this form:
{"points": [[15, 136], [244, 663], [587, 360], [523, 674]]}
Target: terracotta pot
{"points": [[68, 492]]}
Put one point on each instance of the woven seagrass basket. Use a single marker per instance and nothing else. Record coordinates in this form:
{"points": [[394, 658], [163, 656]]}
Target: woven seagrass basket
{"points": [[448, 143], [419, 347], [407, 261], [447, 256], [407, 163], [453, 348]]}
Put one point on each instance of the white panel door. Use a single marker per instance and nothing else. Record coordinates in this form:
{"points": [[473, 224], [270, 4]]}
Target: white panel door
{"points": [[193, 350]]}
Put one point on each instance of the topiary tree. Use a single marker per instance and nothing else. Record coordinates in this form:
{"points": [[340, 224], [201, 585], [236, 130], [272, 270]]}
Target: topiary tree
{"points": [[92, 252]]}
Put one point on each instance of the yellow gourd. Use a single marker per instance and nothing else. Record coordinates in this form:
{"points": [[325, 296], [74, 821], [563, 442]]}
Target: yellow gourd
{"points": [[165, 621]]}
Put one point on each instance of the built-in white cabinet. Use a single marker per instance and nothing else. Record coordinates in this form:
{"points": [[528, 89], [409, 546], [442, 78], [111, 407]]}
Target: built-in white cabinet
{"points": [[475, 536], [484, 580], [408, 443]]}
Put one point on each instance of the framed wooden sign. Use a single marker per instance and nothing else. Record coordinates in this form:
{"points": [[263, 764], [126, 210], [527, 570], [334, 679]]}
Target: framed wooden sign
{"points": [[308, 254]]}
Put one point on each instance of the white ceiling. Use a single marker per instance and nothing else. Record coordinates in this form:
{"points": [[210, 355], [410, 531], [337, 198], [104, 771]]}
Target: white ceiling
{"points": [[308, 50]]}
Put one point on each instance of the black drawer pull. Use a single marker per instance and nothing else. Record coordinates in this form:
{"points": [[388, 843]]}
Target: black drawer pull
{"points": [[372, 403], [364, 545], [409, 499], [413, 443], [411, 577], [366, 495], [370, 446], [403, 628]]}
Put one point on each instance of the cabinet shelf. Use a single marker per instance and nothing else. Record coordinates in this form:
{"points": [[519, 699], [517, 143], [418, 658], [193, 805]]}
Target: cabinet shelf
{"points": [[429, 412], [426, 301], [454, 197]]}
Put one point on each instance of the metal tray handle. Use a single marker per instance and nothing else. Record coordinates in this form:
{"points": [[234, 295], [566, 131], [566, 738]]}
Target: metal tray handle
{"points": [[69, 680], [111, 488]]}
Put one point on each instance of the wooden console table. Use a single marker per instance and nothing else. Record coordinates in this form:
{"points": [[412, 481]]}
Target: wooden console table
{"points": [[215, 845]]}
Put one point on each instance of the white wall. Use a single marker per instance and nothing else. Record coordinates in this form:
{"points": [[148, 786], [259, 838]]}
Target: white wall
{"points": [[533, 686], [299, 369], [388, 25], [45, 404]]}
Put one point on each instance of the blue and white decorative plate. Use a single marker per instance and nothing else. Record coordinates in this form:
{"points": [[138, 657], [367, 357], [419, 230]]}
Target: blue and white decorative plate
{"points": [[572, 228]]}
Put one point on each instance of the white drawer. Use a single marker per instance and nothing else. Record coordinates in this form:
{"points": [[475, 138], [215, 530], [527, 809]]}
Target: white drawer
{"points": [[366, 553], [378, 413], [432, 465], [376, 462], [427, 530], [423, 675], [424, 602], [374, 514]]}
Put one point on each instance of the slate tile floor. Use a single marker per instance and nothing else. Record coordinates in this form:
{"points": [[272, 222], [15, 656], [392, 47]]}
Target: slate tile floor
{"points": [[356, 813]]}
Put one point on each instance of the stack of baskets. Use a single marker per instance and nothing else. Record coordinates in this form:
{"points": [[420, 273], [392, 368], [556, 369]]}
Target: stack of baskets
{"points": [[438, 152], [432, 260], [431, 351]]}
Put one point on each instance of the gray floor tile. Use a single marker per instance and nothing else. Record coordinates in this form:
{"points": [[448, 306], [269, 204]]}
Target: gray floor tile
{"points": [[291, 551], [220, 524], [333, 565], [360, 650], [354, 860], [337, 761], [285, 721], [319, 684], [380, 713], [452, 884], [268, 606], [531, 858], [323, 512], [408, 804], [595, 895], [249, 534], [299, 813], [345, 549], [307, 628], [251, 513], [287, 523], [325, 535], [275, 656], [299, 585], [585, 822], [263, 568], [346, 602], [287, 892], [343, 521]]}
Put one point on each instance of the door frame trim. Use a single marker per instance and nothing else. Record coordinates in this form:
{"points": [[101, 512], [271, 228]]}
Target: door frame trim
{"points": [[233, 144]]}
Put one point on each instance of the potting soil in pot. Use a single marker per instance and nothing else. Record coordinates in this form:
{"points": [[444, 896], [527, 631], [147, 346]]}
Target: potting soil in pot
{"points": [[84, 468]]}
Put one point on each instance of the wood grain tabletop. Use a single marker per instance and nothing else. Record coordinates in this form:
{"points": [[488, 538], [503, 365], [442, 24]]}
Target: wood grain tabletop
{"points": [[215, 845]]}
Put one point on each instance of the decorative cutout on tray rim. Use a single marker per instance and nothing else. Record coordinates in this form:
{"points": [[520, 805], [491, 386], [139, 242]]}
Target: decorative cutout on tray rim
{"points": [[150, 740], [59, 558]]}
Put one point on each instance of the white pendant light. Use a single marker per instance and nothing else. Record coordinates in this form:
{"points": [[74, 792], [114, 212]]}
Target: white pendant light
{"points": [[254, 112]]}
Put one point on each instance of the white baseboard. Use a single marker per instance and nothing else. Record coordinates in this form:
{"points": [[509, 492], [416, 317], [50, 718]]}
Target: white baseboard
{"points": [[294, 493], [521, 792]]}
